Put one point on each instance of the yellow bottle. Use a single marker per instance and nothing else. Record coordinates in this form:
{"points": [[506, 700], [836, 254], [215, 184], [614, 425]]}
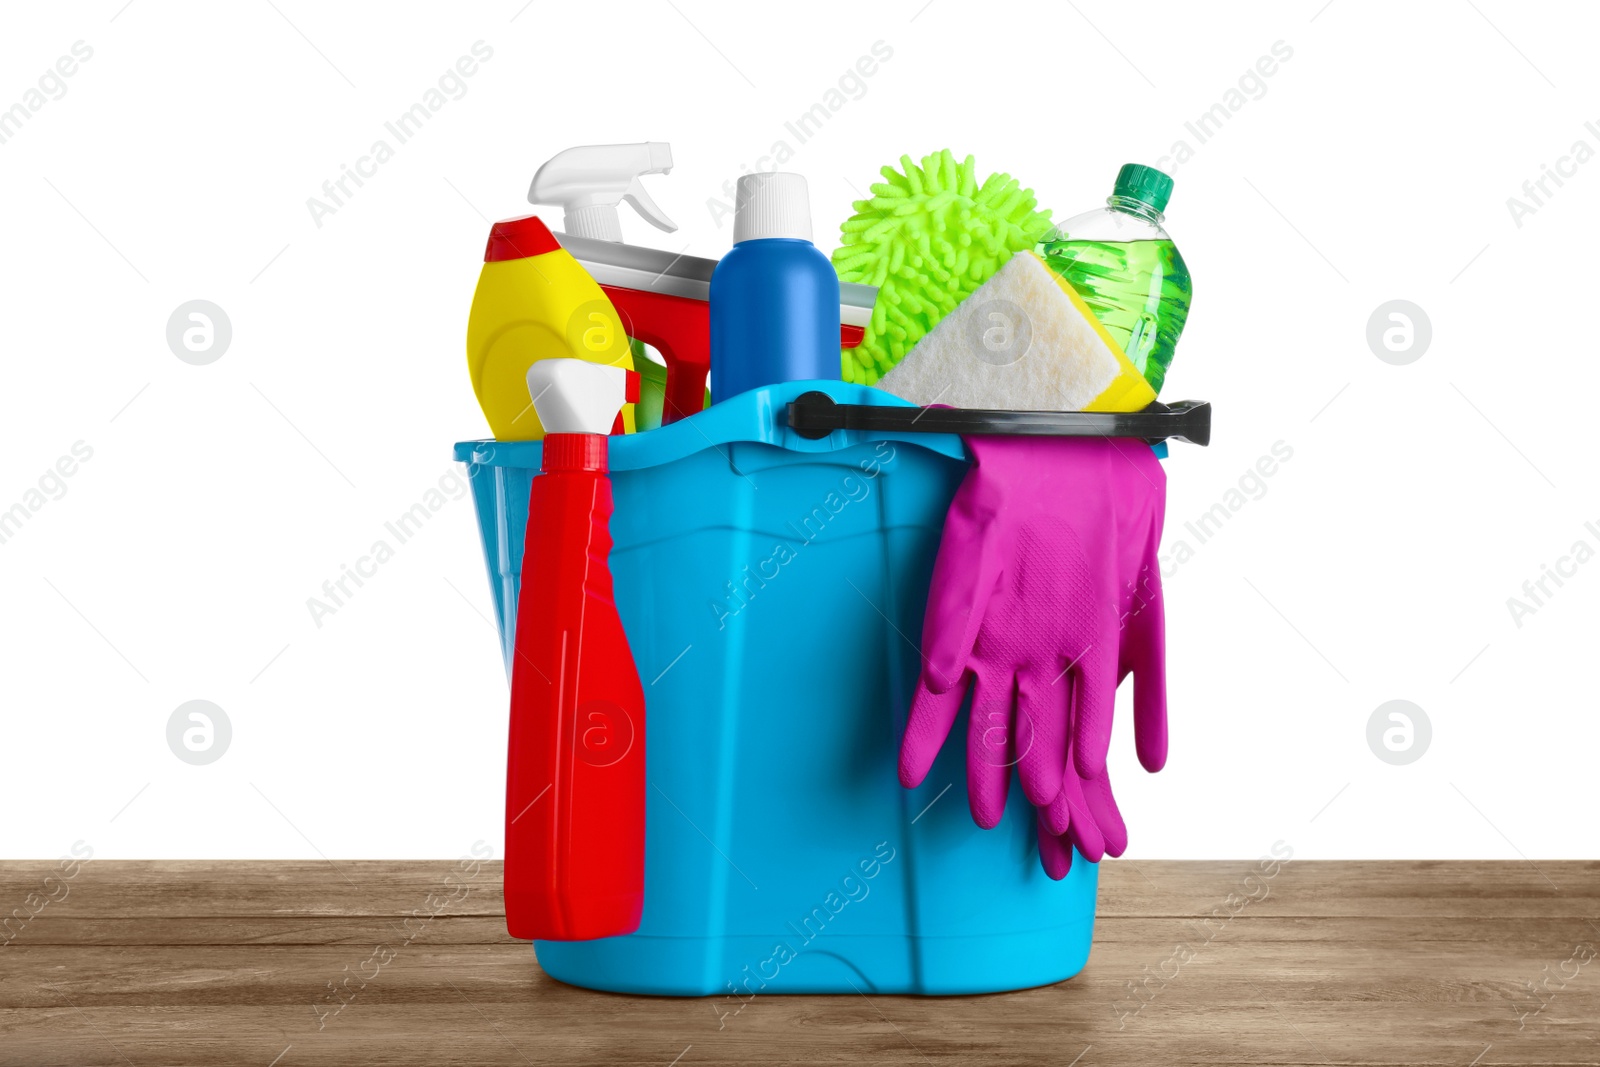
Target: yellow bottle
{"points": [[533, 302]]}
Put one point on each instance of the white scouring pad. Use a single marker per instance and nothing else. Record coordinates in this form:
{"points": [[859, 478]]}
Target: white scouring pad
{"points": [[1023, 341]]}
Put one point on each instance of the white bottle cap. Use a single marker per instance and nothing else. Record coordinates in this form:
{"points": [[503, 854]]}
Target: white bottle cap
{"points": [[574, 396], [771, 205]]}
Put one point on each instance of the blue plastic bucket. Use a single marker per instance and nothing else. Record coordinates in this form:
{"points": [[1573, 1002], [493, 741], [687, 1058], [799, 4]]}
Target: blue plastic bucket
{"points": [[772, 588]]}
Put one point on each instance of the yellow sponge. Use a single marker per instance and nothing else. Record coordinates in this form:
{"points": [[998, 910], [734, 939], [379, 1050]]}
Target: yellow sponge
{"points": [[1025, 341]]}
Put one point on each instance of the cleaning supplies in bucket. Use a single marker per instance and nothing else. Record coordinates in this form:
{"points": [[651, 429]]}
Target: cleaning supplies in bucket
{"points": [[534, 302], [1127, 269], [1041, 604], [927, 238], [575, 775], [662, 297], [1023, 339], [774, 297]]}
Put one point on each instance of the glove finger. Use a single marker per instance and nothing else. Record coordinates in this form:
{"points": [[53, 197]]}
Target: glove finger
{"points": [[1107, 816], [1094, 695], [1055, 852], [1085, 837], [1043, 712], [928, 725], [990, 749], [964, 576], [1083, 831], [1068, 809], [1067, 805], [1146, 640]]}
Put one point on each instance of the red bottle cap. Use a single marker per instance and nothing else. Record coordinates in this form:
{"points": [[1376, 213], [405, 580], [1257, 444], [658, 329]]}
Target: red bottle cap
{"points": [[574, 452], [519, 239]]}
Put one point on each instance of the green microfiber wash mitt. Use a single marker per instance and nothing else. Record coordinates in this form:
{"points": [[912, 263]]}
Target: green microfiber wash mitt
{"points": [[927, 238]]}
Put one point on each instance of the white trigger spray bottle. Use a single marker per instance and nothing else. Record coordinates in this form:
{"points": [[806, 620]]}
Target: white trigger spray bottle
{"points": [[587, 183]]}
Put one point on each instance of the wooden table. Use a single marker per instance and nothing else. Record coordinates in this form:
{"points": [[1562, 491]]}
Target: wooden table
{"points": [[145, 963]]}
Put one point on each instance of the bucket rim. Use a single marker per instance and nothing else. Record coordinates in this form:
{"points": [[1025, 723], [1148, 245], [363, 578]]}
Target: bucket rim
{"points": [[758, 416]]}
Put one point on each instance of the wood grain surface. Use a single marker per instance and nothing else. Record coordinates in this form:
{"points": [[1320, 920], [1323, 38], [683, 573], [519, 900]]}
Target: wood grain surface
{"points": [[146, 963]]}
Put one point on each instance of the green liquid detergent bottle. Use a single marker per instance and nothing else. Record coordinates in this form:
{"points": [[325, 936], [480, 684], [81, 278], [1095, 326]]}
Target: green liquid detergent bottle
{"points": [[1127, 269]]}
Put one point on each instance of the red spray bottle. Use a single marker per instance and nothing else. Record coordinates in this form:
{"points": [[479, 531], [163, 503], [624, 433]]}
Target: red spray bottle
{"points": [[575, 774]]}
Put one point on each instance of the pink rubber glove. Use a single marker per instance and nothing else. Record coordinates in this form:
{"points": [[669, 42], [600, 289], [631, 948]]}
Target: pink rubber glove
{"points": [[1046, 593]]}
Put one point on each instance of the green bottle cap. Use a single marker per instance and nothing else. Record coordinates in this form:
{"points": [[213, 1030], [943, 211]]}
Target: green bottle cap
{"points": [[1145, 184]]}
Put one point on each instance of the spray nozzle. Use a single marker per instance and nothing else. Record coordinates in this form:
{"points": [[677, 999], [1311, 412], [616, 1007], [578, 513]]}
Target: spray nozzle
{"points": [[574, 396], [589, 181]]}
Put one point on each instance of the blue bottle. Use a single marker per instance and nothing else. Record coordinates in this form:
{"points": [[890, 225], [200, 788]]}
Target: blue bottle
{"points": [[774, 296]]}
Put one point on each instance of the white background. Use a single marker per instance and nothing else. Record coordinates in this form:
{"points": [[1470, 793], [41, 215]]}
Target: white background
{"points": [[1376, 165]]}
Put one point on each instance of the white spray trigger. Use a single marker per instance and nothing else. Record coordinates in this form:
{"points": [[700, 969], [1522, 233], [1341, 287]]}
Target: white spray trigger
{"points": [[587, 183], [647, 207]]}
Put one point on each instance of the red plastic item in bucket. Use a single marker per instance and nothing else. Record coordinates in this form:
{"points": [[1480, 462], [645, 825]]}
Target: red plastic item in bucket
{"points": [[575, 774]]}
